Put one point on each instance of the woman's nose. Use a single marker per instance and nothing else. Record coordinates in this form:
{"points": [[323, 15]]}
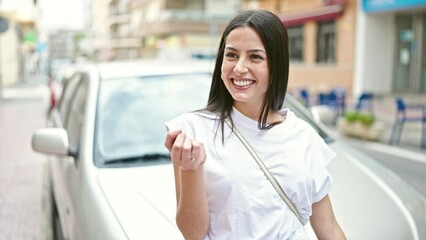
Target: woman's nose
{"points": [[241, 66]]}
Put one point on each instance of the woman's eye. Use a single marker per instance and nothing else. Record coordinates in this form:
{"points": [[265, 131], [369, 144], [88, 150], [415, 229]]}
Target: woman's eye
{"points": [[231, 55], [256, 57]]}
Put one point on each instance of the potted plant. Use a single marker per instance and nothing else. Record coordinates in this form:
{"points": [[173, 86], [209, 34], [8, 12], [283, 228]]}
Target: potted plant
{"points": [[361, 125]]}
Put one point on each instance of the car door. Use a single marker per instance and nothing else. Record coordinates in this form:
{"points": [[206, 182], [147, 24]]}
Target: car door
{"points": [[65, 171]]}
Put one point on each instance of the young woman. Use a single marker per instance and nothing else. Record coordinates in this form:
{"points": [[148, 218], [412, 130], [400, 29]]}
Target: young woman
{"points": [[221, 191]]}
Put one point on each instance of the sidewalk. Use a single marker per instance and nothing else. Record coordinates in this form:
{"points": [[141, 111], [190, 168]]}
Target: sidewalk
{"points": [[384, 108], [385, 111], [23, 177], [36, 90]]}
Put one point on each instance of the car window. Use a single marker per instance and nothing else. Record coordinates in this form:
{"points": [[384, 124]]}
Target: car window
{"points": [[74, 121], [132, 112], [69, 89]]}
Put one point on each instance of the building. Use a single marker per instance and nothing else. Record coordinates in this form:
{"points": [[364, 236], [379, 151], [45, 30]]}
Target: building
{"points": [[359, 46], [18, 58], [123, 43], [146, 28], [99, 30], [322, 42], [11, 59], [391, 47]]}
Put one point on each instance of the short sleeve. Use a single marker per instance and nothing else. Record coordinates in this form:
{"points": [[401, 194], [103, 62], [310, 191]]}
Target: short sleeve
{"points": [[182, 122], [321, 155]]}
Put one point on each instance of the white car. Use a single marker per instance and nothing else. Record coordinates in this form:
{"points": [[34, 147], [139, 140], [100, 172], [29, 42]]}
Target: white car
{"points": [[111, 177]]}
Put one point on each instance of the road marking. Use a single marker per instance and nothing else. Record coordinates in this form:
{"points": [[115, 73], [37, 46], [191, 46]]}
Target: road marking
{"points": [[395, 151], [391, 193]]}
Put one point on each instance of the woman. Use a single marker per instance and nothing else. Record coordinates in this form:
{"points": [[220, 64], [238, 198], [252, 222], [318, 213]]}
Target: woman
{"points": [[221, 192]]}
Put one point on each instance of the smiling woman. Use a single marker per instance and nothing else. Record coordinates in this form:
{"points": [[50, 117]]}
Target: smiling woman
{"points": [[214, 164]]}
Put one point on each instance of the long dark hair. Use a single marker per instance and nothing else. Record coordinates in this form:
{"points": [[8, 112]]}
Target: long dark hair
{"points": [[274, 37]]}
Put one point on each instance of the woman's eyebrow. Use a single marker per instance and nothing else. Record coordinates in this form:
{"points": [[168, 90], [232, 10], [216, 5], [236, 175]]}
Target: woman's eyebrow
{"points": [[256, 50], [231, 48], [251, 50]]}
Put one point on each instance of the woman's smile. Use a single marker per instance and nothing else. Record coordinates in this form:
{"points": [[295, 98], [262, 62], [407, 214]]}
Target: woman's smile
{"points": [[242, 83]]}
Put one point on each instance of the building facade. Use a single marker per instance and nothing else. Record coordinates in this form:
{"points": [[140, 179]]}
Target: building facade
{"points": [[391, 47], [146, 28], [356, 45], [321, 41], [18, 58]]}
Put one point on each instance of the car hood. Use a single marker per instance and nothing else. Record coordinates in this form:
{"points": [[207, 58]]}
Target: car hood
{"points": [[143, 200]]}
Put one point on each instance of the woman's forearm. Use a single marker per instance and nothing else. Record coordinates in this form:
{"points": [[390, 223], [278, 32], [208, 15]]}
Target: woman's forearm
{"points": [[192, 215]]}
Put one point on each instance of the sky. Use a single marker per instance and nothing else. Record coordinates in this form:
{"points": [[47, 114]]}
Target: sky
{"points": [[62, 13], [53, 14]]}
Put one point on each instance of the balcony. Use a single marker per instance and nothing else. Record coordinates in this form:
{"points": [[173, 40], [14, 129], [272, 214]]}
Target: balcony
{"points": [[126, 43], [119, 19], [192, 15], [174, 21]]}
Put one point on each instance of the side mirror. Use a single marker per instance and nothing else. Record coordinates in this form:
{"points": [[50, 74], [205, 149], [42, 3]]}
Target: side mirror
{"points": [[51, 141]]}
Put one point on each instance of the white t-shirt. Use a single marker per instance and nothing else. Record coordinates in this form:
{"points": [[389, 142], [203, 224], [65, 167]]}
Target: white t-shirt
{"points": [[242, 202]]}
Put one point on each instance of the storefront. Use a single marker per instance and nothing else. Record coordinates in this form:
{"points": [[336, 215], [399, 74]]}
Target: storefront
{"points": [[321, 43], [391, 47]]}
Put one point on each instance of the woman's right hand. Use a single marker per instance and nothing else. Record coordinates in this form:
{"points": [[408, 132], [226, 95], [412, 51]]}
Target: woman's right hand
{"points": [[188, 157], [185, 152]]}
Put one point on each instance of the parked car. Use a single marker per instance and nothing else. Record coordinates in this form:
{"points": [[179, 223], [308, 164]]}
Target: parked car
{"points": [[111, 176]]}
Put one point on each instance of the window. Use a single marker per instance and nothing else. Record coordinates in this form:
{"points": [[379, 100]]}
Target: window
{"points": [[326, 42], [195, 4], [69, 88], [295, 39], [184, 4], [76, 114]]}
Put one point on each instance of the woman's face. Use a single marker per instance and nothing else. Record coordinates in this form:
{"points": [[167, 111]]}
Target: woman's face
{"points": [[245, 70]]}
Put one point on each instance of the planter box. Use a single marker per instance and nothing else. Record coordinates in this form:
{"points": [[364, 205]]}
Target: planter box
{"points": [[371, 132]]}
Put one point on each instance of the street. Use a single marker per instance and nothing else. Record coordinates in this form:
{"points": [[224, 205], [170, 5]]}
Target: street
{"points": [[23, 199], [409, 166], [410, 171]]}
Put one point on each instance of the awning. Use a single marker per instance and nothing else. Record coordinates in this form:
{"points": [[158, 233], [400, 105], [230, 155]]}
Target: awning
{"points": [[315, 14]]}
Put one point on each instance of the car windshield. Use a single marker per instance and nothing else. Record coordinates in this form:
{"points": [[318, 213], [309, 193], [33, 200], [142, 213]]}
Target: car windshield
{"points": [[131, 113]]}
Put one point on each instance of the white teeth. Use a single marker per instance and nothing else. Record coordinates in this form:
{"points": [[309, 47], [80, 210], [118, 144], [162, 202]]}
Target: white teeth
{"points": [[242, 83]]}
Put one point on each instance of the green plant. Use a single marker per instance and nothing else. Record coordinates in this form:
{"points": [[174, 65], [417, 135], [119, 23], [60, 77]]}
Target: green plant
{"points": [[364, 118], [351, 116]]}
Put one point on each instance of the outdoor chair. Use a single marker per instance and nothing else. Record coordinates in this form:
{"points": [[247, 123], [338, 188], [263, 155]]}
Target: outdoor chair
{"points": [[336, 100], [365, 102], [408, 113], [304, 96]]}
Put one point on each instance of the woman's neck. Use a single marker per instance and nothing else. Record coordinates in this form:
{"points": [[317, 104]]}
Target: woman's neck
{"points": [[253, 113]]}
